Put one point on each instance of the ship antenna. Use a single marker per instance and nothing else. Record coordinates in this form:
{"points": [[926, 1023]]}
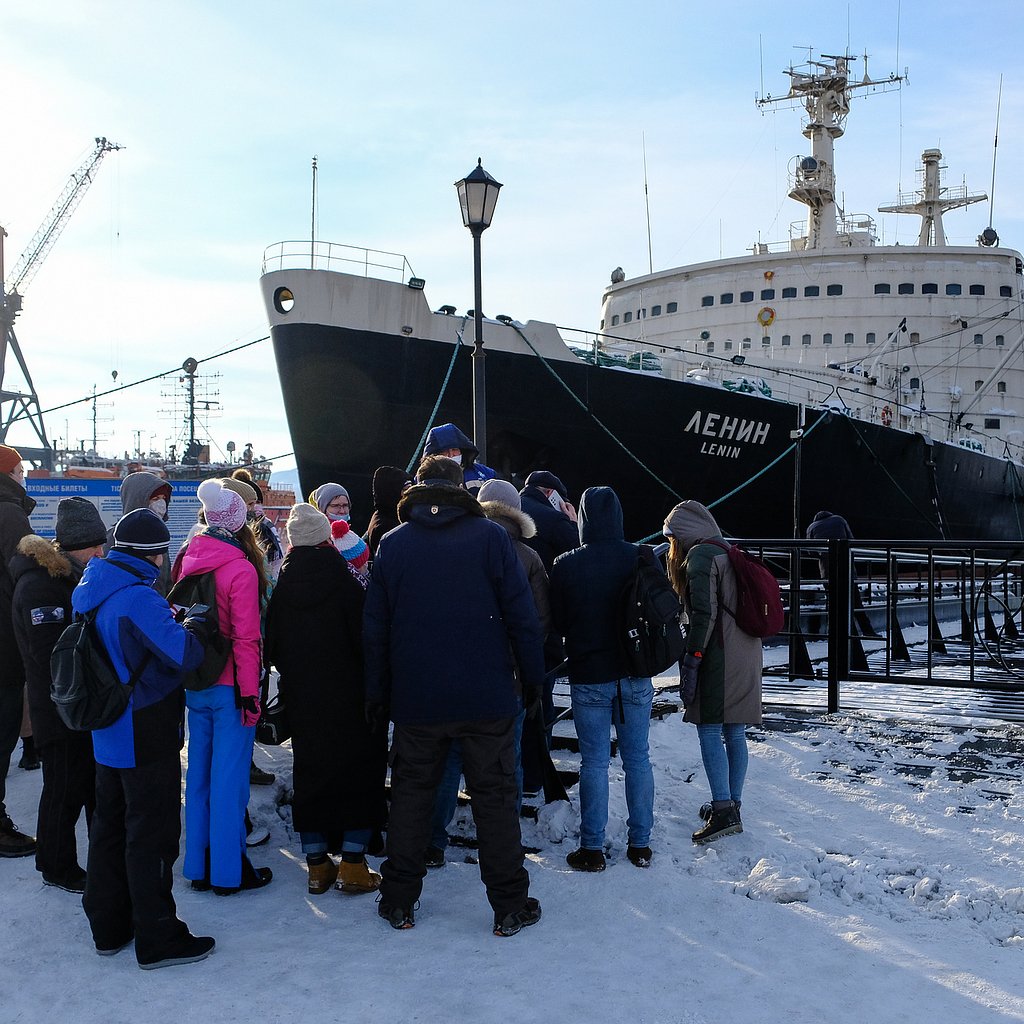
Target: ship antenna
{"points": [[995, 150], [647, 203], [312, 220]]}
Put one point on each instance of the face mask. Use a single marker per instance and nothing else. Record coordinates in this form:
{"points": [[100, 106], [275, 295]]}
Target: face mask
{"points": [[159, 506], [339, 519]]}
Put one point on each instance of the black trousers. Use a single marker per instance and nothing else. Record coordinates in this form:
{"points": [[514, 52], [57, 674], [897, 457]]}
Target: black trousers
{"points": [[418, 755], [69, 787], [133, 844]]}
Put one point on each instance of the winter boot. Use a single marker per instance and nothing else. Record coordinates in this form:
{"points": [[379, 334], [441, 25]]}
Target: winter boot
{"points": [[706, 809], [640, 856], [322, 875], [516, 920], [400, 918], [29, 758], [724, 821], [258, 777], [357, 877], [12, 842], [434, 857], [586, 860]]}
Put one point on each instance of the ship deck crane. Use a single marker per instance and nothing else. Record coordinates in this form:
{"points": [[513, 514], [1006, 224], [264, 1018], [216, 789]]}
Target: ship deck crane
{"points": [[23, 406]]}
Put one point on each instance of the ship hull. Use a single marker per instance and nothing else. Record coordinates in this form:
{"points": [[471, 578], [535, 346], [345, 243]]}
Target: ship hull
{"points": [[357, 399]]}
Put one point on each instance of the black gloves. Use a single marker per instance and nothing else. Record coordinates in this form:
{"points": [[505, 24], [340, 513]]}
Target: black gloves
{"points": [[688, 668], [202, 628]]}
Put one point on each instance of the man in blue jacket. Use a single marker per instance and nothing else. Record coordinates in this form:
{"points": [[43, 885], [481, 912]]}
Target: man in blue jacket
{"points": [[136, 827], [451, 442], [448, 579]]}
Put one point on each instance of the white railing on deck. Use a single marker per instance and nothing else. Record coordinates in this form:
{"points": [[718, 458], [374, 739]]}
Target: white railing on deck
{"points": [[345, 259]]}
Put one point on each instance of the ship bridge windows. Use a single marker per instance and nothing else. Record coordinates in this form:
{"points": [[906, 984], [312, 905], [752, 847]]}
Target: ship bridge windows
{"points": [[1005, 291], [826, 339], [641, 314], [672, 307], [882, 288], [869, 338], [746, 343], [1001, 387], [655, 310], [725, 298], [711, 346], [811, 291], [977, 385], [805, 340], [979, 339], [976, 289], [915, 383], [929, 288], [848, 338], [915, 337], [789, 293], [767, 293], [727, 346], [787, 340], [284, 300], [707, 300], [1000, 340], [834, 289], [627, 318], [746, 296], [991, 423], [954, 289], [766, 340], [906, 288], [615, 320]]}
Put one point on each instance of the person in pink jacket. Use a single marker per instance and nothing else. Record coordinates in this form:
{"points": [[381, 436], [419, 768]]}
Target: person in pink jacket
{"points": [[222, 718]]}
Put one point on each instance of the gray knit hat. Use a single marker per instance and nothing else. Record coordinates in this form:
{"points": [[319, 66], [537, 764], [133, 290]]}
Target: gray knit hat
{"points": [[325, 494], [500, 490], [79, 525], [307, 526]]}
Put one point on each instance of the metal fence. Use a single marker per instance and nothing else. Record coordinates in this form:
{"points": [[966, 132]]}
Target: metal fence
{"points": [[929, 614]]}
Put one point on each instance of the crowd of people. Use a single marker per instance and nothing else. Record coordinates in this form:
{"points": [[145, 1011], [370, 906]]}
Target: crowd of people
{"points": [[429, 644]]}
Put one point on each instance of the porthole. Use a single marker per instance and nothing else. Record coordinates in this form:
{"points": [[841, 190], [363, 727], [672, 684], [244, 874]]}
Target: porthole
{"points": [[284, 301]]}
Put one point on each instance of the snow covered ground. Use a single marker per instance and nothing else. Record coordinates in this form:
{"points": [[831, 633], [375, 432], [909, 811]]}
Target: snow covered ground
{"points": [[879, 877]]}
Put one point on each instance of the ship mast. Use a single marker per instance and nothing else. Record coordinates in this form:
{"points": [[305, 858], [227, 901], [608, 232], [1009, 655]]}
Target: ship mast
{"points": [[823, 87]]}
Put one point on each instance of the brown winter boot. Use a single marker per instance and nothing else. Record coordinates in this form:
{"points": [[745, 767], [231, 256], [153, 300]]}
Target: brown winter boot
{"points": [[322, 876], [357, 878]]}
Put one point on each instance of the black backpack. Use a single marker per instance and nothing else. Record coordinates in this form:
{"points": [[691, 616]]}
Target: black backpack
{"points": [[651, 639], [84, 687], [201, 589]]}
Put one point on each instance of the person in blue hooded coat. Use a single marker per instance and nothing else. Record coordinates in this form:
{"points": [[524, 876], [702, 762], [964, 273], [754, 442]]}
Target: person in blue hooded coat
{"points": [[451, 442], [136, 827], [586, 599]]}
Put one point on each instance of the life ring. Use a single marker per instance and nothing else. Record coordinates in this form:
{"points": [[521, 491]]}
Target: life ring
{"points": [[886, 416], [766, 317]]}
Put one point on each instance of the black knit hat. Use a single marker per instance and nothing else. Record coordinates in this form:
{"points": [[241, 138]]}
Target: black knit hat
{"points": [[542, 478], [79, 525], [141, 532]]}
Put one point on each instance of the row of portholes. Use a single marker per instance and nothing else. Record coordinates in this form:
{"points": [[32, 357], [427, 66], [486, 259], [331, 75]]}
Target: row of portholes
{"points": [[848, 339], [882, 288], [627, 318]]}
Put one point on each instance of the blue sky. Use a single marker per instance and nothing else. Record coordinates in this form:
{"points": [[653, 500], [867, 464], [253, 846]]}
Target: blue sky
{"points": [[221, 107]]}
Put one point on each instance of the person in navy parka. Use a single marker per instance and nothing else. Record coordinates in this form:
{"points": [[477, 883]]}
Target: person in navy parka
{"points": [[446, 439]]}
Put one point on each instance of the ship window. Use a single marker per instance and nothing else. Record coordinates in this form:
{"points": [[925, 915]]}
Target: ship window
{"points": [[627, 317], [977, 289], [1000, 340], [786, 340], [834, 289], [882, 289], [1001, 387], [725, 299], [979, 339], [746, 296], [767, 293], [915, 383], [805, 340], [655, 310], [641, 313], [906, 288], [671, 307], [991, 424], [789, 293], [708, 300], [953, 289], [1005, 291], [728, 346], [746, 343], [848, 339], [929, 288], [766, 340], [615, 320], [711, 346], [977, 385], [915, 338], [284, 300], [870, 337], [826, 339], [602, 323], [811, 290]]}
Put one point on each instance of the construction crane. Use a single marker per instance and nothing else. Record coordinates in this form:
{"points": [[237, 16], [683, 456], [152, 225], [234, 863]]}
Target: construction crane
{"points": [[23, 406]]}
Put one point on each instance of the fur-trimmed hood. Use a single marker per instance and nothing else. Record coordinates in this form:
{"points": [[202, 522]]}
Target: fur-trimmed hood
{"points": [[46, 555], [518, 524], [437, 504]]}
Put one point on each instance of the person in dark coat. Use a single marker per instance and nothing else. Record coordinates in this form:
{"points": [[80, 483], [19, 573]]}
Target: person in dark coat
{"points": [[388, 484], [449, 580], [557, 528], [45, 574], [15, 508], [586, 598], [314, 638], [446, 439], [828, 526]]}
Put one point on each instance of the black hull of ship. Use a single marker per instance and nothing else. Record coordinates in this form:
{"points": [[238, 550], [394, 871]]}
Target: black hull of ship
{"points": [[356, 400]]}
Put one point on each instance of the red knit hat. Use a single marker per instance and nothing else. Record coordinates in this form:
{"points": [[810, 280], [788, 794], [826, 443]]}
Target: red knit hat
{"points": [[9, 458]]}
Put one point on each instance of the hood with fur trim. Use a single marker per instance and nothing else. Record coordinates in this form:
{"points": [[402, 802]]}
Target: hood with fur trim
{"points": [[46, 555], [518, 524]]}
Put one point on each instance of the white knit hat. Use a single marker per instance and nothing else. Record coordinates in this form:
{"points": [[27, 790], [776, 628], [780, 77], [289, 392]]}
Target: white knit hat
{"points": [[222, 507], [307, 526]]}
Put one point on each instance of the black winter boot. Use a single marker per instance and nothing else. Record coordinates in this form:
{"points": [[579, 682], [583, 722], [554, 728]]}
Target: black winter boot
{"points": [[706, 809], [724, 821]]}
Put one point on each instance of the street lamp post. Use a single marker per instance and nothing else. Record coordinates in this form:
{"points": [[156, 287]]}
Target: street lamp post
{"points": [[478, 194]]}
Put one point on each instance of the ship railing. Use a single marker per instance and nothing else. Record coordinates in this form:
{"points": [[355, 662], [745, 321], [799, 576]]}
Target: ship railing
{"points": [[874, 624], [347, 259], [622, 353]]}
